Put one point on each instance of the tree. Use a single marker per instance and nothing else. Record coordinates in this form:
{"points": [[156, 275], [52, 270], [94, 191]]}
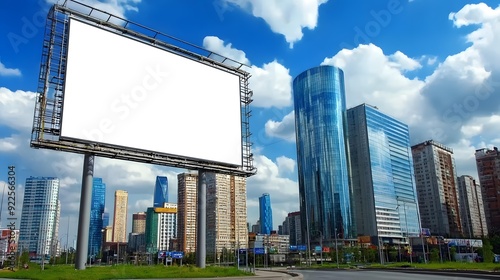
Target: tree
{"points": [[434, 256], [488, 254]]}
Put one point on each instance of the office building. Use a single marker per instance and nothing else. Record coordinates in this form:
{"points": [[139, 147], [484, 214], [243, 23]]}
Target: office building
{"points": [[265, 214], [120, 216], [96, 216], [40, 216], [161, 191], [471, 208], [436, 181], [226, 213], [383, 183], [324, 192], [187, 211], [488, 169], [105, 219], [139, 222], [256, 227], [161, 227], [292, 227]]}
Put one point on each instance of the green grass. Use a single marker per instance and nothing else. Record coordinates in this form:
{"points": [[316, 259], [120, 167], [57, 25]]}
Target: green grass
{"points": [[63, 272]]}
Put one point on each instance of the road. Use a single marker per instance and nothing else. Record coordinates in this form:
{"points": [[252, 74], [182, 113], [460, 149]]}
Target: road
{"points": [[382, 275]]}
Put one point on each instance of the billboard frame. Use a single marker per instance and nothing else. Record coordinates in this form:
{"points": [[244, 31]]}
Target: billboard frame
{"points": [[47, 120]]}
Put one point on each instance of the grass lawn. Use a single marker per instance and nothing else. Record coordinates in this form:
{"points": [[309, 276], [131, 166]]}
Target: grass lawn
{"points": [[120, 272]]}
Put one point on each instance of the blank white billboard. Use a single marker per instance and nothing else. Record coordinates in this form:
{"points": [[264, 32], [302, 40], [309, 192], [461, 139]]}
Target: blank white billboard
{"points": [[123, 92]]}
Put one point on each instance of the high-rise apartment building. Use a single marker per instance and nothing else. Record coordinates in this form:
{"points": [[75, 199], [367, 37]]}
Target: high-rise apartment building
{"points": [[161, 227], [187, 211], [161, 191], [488, 169], [383, 183], [139, 222], [291, 226], [265, 214], [324, 192], [436, 182], [471, 208], [40, 216], [226, 213], [96, 216], [120, 216]]}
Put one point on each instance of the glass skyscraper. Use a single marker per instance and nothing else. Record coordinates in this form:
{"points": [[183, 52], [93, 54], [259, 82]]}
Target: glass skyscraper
{"points": [[38, 232], [161, 191], [384, 192], [324, 193], [97, 216], [265, 214]]}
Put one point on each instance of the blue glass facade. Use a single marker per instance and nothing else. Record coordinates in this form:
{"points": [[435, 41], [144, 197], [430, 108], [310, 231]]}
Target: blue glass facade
{"points": [[384, 191], [96, 216], [161, 191], [324, 193], [265, 214], [105, 219]]}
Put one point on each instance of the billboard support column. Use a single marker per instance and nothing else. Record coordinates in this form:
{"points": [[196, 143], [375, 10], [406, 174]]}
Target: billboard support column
{"points": [[201, 227], [84, 218]]}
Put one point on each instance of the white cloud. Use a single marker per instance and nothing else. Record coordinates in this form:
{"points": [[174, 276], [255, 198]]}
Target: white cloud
{"points": [[474, 14], [8, 144], [271, 83], [284, 17], [285, 165], [284, 129], [4, 71], [403, 62]]}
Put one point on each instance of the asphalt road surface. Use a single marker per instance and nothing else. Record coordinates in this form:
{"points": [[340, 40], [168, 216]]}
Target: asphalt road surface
{"points": [[382, 275]]}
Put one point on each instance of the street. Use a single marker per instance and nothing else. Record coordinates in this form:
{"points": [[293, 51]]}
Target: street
{"points": [[381, 275]]}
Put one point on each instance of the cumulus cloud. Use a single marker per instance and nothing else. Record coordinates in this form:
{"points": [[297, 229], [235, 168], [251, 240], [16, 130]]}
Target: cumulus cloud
{"points": [[4, 71], [14, 106], [271, 83], [284, 17], [284, 128], [400, 60]]}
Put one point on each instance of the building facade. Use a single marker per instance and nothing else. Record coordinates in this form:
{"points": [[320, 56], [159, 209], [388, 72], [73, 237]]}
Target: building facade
{"points": [[96, 216], [488, 169], [161, 227], [471, 208], [226, 213], [139, 222], [436, 182], [120, 216], [40, 216], [324, 192], [161, 191], [187, 211], [291, 227], [383, 184], [265, 214], [105, 219]]}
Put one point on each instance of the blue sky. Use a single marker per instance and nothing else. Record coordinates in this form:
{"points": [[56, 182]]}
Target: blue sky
{"points": [[434, 65]]}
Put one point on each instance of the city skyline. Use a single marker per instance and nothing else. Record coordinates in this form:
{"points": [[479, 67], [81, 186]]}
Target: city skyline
{"points": [[439, 77]]}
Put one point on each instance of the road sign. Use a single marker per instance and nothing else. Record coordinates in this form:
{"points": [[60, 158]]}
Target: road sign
{"points": [[302, 248], [259, 251], [242, 251], [177, 255]]}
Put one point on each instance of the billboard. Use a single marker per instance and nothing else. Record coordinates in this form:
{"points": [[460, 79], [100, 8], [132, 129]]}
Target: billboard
{"points": [[130, 94], [109, 90]]}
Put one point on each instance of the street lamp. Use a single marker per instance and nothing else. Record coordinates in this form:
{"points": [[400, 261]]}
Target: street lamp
{"points": [[336, 248]]}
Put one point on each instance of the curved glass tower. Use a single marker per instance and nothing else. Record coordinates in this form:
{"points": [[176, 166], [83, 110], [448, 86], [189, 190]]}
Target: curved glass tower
{"points": [[325, 196]]}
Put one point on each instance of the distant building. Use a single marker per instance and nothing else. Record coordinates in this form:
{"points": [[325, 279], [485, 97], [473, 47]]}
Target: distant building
{"points": [[120, 217], [105, 219], [488, 169], [96, 216], [5, 247], [436, 182], [383, 184], [292, 226], [139, 222], [256, 227], [265, 214], [161, 191], [471, 208], [226, 213], [38, 231], [161, 227], [187, 211]]}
